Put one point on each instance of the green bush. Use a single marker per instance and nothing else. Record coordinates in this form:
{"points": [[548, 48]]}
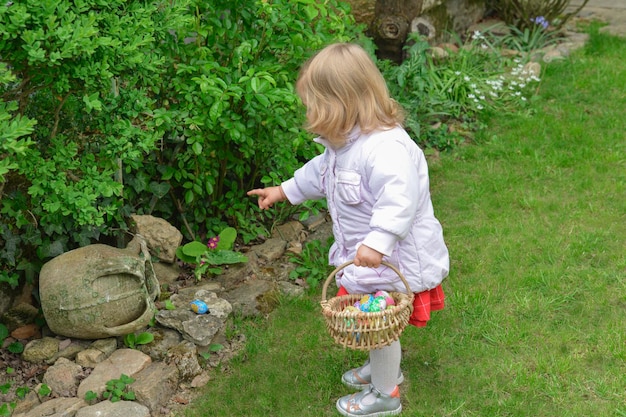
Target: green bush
{"points": [[172, 108], [232, 120]]}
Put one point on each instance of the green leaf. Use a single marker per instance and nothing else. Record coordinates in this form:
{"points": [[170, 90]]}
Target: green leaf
{"points": [[22, 391], [144, 338], [16, 347], [5, 388], [44, 390], [194, 249], [215, 347], [91, 396], [221, 257], [130, 340], [227, 239]]}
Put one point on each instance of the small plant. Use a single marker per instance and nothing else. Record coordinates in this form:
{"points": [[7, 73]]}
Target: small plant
{"points": [[530, 38], [213, 347], [21, 392], [44, 390], [118, 389], [206, 258], [16, 347], [91, 397], [312, 263], [6, 409], [132, 340]]}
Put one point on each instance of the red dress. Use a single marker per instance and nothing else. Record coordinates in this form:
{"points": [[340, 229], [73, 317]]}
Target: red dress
{"points": [[423, 303]]}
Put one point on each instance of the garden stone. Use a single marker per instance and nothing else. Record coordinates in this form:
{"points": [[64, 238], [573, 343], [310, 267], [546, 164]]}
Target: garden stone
{"points": [[99, 291], [69, 350], [532, 68], [245, 298], [218, 307], [162, 238], [437, 52], [106, 346], [292, 231], [124, 361], [56, 407], [186, 295], [155, 385], [164, 339], [290, 290], [166, 273], [116, 409], [200, 380], [40, 350], [185, 357], [196, 328], [89, 358], [312, 223], [271, 249], [29, 402], [18, 316], [63, 377], [27, 331], [552, 55]]}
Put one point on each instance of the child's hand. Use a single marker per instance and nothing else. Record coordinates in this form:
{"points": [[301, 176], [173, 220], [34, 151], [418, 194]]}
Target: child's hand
{"points": [[366, 256], [268, 196]]}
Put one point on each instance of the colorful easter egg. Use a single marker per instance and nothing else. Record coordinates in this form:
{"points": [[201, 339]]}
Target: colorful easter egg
{"points": [[388, 298], [199, 307], [367, 298], [380, 302]]}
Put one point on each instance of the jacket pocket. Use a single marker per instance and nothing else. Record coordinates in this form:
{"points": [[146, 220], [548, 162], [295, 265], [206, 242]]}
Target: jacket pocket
{"points": [[349, 187]]}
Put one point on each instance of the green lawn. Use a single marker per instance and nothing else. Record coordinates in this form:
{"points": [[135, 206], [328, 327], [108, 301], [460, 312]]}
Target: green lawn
{"points": [[534, 215]]}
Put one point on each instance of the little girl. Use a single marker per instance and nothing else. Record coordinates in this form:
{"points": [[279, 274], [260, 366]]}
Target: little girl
{"points": [[375, 180]]}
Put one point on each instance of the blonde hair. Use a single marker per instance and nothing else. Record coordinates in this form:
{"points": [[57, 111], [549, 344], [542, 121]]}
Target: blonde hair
{"points": [[341, 87]]}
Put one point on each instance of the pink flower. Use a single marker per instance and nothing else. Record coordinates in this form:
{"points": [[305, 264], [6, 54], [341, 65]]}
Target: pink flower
{"points": [[213, 242]]}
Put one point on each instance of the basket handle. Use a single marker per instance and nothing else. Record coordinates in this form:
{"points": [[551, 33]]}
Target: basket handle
{"points": [[342, 266]]}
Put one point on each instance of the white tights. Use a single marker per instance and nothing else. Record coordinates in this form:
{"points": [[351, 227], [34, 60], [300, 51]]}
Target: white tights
{"points": [[384, 365]]}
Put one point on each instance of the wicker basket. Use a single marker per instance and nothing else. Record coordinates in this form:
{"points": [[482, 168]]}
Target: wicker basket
{"points": [[361, 330]]}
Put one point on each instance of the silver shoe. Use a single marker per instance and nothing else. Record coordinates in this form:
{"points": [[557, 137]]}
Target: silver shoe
{"points": [[385, 405], [356, 378]]}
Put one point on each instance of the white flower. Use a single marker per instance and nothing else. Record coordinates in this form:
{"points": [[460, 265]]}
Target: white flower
{"points": [[466, 78], [457, 72]]}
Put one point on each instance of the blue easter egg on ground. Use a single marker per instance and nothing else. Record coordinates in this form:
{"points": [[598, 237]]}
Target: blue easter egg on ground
{"points": [[199, 307]]}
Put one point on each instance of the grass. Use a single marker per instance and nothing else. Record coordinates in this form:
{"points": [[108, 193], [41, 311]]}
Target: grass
{"points": [[534, 215]]}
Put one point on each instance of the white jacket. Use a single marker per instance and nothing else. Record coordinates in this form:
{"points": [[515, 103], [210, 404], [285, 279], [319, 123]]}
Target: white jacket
{"points": [[377, 190]]}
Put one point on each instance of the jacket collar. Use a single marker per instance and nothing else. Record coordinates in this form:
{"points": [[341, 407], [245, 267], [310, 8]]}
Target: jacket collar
{"points": [[354, 134]]}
